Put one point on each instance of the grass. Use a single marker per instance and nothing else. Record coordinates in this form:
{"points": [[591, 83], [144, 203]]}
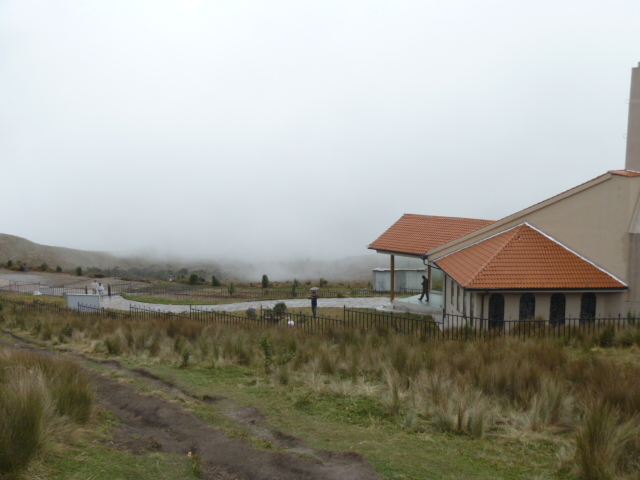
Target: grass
{"points": [[170, 301], [415, 408], [100, 462], [40, 398]]}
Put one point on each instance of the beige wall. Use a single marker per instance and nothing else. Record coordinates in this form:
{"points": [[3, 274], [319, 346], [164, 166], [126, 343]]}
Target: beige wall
{"points": [[608, 304], [594, 222]]}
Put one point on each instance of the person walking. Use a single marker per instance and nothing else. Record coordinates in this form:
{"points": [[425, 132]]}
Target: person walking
{"points": [[100, 289], [94, 287], [314, 303], [425, 288]]}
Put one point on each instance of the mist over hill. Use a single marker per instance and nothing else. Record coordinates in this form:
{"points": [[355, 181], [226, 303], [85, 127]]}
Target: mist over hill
{"points": [[355, 268]]}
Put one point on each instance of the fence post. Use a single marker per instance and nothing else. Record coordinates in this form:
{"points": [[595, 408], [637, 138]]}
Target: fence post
{"points": [[109, 289]]}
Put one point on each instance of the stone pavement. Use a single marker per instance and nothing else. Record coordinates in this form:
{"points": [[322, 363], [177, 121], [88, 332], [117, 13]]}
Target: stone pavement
{"points": [[119, 303]]}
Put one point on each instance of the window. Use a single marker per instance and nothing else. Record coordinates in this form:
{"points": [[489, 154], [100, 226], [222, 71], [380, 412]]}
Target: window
{"points": [[588, 307], [527, 306], [471, 304], [452, 292], [557, 310], [496, 311]]}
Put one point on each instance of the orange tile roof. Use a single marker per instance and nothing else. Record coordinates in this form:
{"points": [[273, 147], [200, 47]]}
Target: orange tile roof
{"points": [[524, 258], [625, 173], [417, 234]]}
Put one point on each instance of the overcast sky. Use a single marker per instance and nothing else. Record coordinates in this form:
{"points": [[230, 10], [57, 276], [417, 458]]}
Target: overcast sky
{"points": [[282, 129]]}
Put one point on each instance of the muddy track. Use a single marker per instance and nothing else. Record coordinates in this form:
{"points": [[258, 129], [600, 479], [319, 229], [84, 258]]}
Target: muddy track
{"points": [[150, 422]]}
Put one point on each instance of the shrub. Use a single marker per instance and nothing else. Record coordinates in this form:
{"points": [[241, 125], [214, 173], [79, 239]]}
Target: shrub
{"points": [[214, 281], [231, 288], [265, 281], [193, 279], [79, 271], [251, 314], [9, 264], [44, 267], [186, 354], [267, 350], [322, 283], [280, 309], [58, 268]]}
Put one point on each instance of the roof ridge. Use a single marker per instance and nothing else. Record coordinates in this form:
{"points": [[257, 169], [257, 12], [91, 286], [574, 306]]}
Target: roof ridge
{"points": [[490, 260], [449, 217]]}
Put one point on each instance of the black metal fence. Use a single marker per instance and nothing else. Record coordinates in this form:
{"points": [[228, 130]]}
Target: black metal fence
{"points": [[452, 327], [367, 319], [458, 327]]}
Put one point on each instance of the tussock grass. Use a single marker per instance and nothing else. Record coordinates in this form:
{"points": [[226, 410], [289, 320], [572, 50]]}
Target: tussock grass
{"points": [[39, 398], [531, 390]]}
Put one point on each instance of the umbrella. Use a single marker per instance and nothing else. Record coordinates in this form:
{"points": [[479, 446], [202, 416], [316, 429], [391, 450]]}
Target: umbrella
{"points": [[314, 288]]}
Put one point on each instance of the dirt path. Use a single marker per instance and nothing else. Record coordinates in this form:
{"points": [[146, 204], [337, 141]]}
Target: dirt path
{"points": [[150, 422]]}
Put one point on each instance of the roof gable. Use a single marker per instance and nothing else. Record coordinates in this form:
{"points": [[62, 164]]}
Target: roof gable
{"points": [[524, 258], [417, 234]]}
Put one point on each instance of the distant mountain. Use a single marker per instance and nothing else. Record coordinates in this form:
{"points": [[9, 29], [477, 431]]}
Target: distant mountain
{"points": [[351, 268]]}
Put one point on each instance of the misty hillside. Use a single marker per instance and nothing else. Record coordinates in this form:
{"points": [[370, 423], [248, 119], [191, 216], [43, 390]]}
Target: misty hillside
{"points": [[351, 268], [20, 249]]}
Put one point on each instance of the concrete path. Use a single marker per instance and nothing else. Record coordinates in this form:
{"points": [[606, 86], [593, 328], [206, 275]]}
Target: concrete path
{"points": [[119, 303]]}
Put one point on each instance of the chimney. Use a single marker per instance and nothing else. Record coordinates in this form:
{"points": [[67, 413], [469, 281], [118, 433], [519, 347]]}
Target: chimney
{"points": [[633, 130]]}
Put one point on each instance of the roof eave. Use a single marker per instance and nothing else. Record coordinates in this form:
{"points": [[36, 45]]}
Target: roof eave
{"points": [[392, 252], [549, 289]]}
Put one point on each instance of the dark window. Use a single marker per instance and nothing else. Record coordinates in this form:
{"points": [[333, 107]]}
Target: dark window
{"points": [[472, 301], [496, 310], [527, 306], [452, 291], [557, 310], [588, 307]]}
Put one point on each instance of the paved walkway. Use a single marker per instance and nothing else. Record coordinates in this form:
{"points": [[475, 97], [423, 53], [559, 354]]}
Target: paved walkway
{"points": [[119, 303]]}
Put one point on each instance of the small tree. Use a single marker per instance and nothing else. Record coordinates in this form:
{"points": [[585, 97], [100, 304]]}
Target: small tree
{"points": [[323, 283], [44, 267], [231, 288], [193, 279], [214, 281], [9, 264], [79, 271], [58, 268], [252, 314], [265, 281]]}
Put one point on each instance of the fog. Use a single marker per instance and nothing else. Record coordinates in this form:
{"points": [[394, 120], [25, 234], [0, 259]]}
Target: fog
{"points": [[281, 130]]}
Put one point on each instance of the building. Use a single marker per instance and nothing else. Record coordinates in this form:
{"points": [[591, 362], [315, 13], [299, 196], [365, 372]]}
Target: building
{"points": [[575, 255]]}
